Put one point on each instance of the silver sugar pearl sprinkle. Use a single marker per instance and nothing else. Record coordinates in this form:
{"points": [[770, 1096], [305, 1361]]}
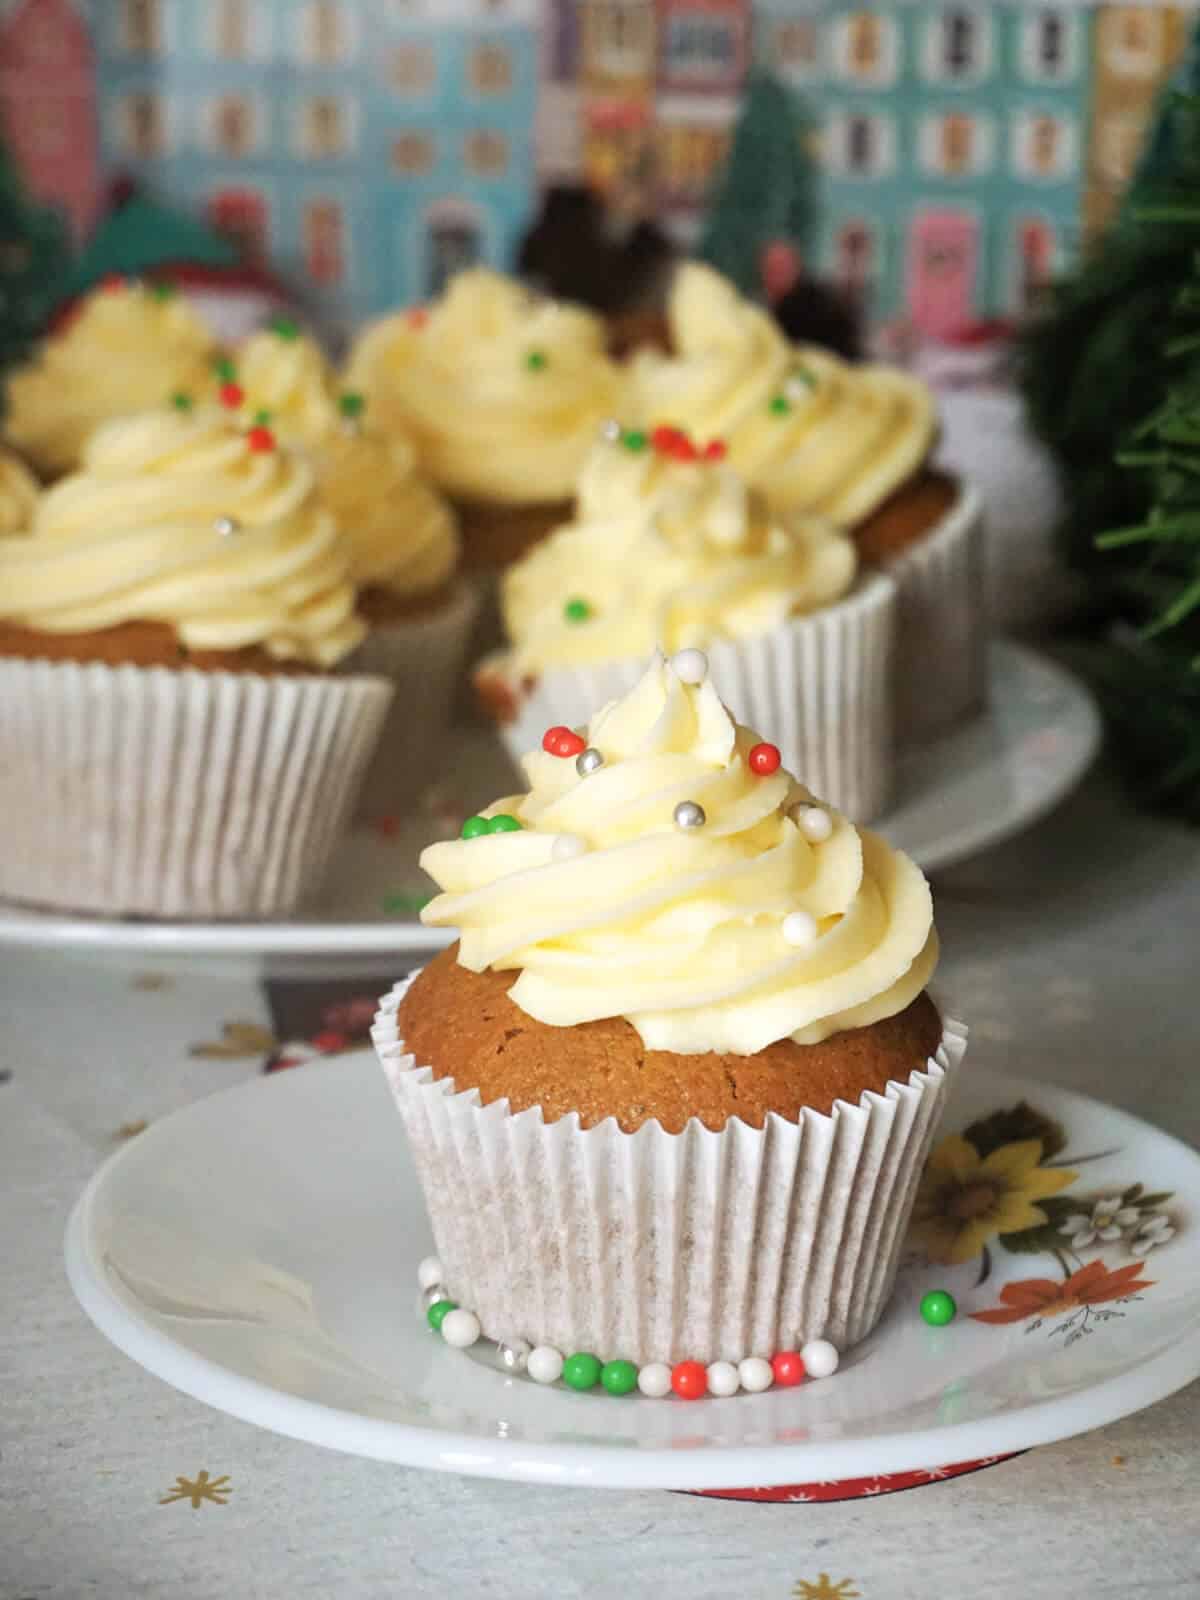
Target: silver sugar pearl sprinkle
{"points": [[513, 1354], [226, 526], [432, 1295], [611, 430], [689, 815], [588, 760]]}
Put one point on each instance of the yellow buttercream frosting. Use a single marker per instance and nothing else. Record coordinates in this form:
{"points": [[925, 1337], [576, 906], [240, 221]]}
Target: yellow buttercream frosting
{"points": [[669, 554], [285, 373], [129, 347], [501, 390], [608, 908], [177, 519], [813, 432], [399, 533], [18, 494]]}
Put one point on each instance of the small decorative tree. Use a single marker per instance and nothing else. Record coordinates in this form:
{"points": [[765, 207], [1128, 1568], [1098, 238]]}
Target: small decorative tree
{"points": [[33, 259], [767, 192]]}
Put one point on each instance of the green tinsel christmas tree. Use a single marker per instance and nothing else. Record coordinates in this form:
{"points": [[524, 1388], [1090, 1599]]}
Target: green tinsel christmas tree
{"points": [[33, 258], [767, 191]]}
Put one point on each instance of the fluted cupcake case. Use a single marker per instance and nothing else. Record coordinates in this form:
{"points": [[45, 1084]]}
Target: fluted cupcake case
{"points": [[176, 793], [421, 657], [823, 683], [941, 627], [654, 1246]]}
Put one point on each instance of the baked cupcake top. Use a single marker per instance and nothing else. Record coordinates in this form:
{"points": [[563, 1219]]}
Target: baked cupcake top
{"points": [[128, 347], [501, 390], [684, 881], [668, 548], [18, 494], [811, 431], [400, 535], [281, 377], [188, 521]]}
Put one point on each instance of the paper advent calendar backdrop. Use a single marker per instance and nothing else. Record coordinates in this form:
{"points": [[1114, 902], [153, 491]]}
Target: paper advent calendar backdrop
{"points": [[368, 148]]}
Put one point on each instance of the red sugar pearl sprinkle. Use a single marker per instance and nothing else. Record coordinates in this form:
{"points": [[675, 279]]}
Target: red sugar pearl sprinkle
{"points": [[788, 1368], [716, 450], [231, 395], [684, 450], [418, 317], [112, 281], [560, 741], [664, 438], [260, 440], [689, 1380], [764, 759]]}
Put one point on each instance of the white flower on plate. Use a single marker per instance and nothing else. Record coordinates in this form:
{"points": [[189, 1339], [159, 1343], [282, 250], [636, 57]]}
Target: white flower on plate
{"points": [[1156, 1230], [1106, 1221]]}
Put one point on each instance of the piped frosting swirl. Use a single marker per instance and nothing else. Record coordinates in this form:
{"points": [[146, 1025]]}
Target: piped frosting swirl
{"points": [[608, 906]]}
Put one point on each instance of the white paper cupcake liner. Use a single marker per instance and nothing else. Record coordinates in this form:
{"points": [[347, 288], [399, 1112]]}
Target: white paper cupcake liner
{"points": [[941, 625], [176, 793], [421, 657], [820, 687], [655, 1246]]}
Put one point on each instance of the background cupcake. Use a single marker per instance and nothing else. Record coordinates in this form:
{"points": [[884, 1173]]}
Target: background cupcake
{"points": [[18, 494], [669, 548], [129, 346], [851, 443], [173, 740], [402, 546], [502, 392], [670, 1096]]}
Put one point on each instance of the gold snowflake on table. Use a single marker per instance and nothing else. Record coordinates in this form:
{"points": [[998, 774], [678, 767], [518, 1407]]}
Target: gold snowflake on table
{"points": [[199, 1488], [825, 1589]]}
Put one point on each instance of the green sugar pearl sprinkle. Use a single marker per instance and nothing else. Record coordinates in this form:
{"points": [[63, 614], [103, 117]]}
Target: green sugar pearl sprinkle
{"points": [[261, 418], [438, 1312], [577, 610], [351, 404], [537, 360], [476, 827], [225, 369], [162, 290], [285, 327], [634, 440], [181, 401], [619, 1377], [938, 1308], [779, 405], [580, 1371]]}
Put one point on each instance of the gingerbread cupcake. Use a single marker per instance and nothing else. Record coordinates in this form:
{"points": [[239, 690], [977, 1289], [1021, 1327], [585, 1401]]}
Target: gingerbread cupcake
{"points": [[127, 346], [502, 391], [174, 740], [851, 443], [670, 1094], [669, 548]]}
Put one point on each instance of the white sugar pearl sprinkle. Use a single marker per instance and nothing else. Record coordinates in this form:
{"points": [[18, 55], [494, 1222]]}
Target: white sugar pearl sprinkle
{"points": [[654, 1380], [755, 1374], [429, 1272], [815, 824], [460, 1328], [513, 1354], [545, 1364], [820, 1358], [689, 814], [567, 846], [799, 928], [690, 666], [723, 1379]]}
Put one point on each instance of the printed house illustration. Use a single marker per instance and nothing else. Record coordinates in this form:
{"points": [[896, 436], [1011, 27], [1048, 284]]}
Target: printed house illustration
{"points": [[369, 148]]}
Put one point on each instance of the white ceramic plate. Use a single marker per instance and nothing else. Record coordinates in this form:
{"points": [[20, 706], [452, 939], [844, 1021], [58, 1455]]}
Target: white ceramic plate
{"points": [[258, 1250], [972, 788]]}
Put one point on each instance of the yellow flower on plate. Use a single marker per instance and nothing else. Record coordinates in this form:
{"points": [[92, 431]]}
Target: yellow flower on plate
{"points": [[965, 1200]]}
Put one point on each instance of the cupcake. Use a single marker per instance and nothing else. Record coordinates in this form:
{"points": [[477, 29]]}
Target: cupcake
{"points": [[402, 546], [670, 1094], [669, 548], [18, 494], [128, 347], [502, 392], [850, 443], [174, 740]]}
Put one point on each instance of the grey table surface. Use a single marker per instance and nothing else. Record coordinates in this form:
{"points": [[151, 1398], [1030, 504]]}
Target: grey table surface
{"points": [[1072, 952]]}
